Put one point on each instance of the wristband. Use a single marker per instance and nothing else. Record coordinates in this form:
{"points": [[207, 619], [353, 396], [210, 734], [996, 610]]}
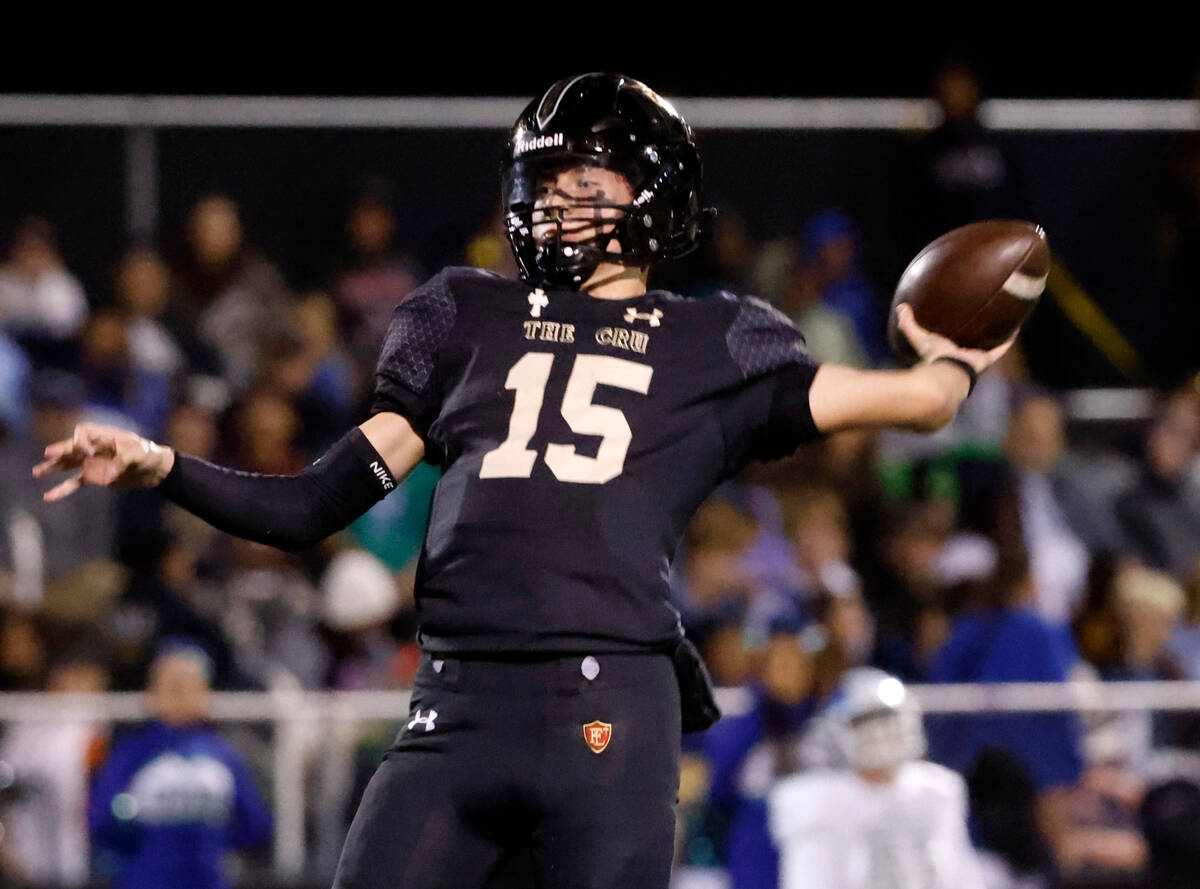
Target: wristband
{"points": [[972, 373]]}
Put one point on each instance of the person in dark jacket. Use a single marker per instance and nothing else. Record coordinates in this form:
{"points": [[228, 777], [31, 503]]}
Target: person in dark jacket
{"points": [[1160, 514], [960, 172], [175, 797]]}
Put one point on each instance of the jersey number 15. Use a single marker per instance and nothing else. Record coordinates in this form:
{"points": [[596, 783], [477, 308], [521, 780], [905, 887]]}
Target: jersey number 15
{"points": [[528, 377]]}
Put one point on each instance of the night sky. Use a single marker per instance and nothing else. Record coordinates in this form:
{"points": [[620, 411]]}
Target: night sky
{"points": [[1022, 64]]}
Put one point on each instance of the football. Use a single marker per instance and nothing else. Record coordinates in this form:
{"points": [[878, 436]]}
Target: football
{"points": [[975, 285]]}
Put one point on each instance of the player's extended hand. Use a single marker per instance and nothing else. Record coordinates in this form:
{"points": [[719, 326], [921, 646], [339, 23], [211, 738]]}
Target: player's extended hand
{"points": [[105, 456], [931, 346]]}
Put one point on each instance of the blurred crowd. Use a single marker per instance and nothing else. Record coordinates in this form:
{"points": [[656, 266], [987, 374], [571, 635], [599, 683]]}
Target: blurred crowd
{"points": [[209, 350], [1017, 544]]}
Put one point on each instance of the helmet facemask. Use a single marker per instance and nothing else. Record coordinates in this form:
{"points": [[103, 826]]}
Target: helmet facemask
{"points": [[654, 225], [884, 738], [879, 722], [561, 238]]}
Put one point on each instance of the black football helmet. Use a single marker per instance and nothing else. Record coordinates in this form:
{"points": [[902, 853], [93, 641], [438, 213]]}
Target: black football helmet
{"points": [[618, 123]]}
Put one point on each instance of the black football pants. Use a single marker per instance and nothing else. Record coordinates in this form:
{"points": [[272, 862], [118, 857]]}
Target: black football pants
{"points": [[525, 775]]}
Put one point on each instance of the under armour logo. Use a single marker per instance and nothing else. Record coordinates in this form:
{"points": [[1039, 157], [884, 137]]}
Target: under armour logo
{"points": [[538, 301], [654, 318], [426, 721]]}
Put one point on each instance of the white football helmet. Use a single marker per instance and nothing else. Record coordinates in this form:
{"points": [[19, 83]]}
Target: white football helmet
{"points": [[878, 723]]}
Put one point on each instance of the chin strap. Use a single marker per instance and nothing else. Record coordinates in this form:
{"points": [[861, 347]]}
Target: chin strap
{"points": [[592, 256], [629, 273]]}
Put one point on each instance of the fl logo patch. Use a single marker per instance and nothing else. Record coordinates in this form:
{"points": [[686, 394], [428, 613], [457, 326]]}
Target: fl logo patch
{"points": [[597, 734]]}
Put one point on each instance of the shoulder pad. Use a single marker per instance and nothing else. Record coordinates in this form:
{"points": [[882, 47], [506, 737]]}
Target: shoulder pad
{"points": [[762, 338], [419, 326]]}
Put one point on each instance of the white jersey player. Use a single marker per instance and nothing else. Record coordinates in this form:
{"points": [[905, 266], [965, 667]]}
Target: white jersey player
{"points": [[890, 820]]}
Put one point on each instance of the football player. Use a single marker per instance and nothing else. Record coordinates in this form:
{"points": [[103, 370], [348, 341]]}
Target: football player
{"points": [[888, 819], [579, 420]]}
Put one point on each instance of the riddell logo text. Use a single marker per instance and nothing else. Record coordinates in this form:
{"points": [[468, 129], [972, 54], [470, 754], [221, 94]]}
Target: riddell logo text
{"points": [[554, 140], [381, 473]]}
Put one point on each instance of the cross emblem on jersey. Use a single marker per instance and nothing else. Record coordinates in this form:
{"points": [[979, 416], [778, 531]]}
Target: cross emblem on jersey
{"points": [[538, 301], [654, 318], [425, 721]]}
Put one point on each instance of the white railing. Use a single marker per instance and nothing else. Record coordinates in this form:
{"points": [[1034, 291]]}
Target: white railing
{"points": [[1031, 697], [141, 117], [316, 722], [466, 112], [304, 723]]}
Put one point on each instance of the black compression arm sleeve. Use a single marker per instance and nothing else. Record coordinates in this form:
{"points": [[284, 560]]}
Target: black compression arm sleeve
{"points": [[291, 512]]}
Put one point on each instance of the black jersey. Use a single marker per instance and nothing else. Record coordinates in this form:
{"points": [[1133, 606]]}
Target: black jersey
{"points": [[577, 437]]}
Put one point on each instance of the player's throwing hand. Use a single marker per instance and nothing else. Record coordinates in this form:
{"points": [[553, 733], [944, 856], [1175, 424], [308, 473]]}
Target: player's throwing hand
{"points": [[932, 346], [104, 456]]}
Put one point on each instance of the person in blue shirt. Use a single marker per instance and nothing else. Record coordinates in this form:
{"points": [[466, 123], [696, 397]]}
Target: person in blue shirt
{"points": [[1011, 645], [748, 752], [175, 797], [1021, 767], [14, 388], [830, 251]]}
